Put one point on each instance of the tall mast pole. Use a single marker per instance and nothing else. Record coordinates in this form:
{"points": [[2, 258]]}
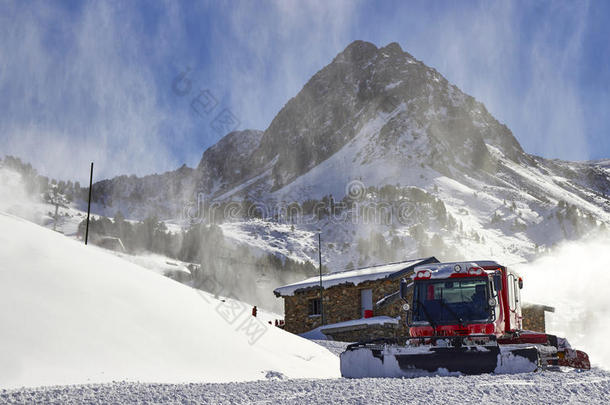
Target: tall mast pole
{"points": [[320, 267], [89, 203]]}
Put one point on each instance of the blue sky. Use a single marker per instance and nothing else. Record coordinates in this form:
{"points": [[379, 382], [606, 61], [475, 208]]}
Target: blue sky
{"points": [[82, 81]]}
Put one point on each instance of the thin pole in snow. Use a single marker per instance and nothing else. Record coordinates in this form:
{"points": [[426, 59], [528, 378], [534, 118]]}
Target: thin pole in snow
{"points": [[89, 204], [55, 217], [321, 288]]}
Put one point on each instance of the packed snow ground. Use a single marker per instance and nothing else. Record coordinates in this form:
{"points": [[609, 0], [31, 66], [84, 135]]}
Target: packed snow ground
{"points": [[591, 387], [75, 314]]}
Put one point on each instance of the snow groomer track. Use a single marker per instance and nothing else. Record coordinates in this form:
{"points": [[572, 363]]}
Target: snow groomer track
{"points": [[590, 387]]}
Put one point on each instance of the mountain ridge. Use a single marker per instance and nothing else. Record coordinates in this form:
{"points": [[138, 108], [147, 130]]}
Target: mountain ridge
{"points": [[377, 117]]}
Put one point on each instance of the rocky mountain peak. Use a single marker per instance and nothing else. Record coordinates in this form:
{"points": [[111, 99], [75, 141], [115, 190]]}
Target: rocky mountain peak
{"points": [[394, 108], [453, 179], [356, 51], [363, 84], [229, 159], [393, 48]]}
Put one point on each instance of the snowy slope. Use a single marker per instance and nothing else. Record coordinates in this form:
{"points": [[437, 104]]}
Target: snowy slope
{"points": [[265, 236], [592, 387], [76, 314]]}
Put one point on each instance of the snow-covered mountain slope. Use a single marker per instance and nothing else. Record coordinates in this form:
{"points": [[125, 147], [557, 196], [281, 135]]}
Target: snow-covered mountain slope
{"points": [[605, 163], [77, 314], [374, 118], [277, 238]]}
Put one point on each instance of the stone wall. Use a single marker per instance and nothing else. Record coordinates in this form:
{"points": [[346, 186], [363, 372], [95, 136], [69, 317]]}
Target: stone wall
{"points": [[341, 303], [533, 318]]}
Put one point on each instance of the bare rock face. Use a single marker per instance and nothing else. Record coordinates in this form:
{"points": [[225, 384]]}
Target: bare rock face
{"points": [[230, 160], [365, 83]]}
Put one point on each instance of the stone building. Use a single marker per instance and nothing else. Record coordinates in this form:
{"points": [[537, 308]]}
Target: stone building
{"points": [[348, 303], [534, 316]]}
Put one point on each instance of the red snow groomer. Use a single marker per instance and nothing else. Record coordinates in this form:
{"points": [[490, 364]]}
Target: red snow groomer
{"points": [[463, 318]]}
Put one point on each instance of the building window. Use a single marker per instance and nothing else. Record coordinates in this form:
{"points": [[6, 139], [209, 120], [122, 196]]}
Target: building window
{"points": [[314, 307]]}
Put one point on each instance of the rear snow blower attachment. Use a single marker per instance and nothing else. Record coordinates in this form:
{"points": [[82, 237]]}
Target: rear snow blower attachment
{"points": [[465, 319]]}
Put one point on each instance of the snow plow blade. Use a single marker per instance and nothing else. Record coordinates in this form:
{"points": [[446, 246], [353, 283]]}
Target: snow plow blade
{"points": [[383, 359], [464, 360]]}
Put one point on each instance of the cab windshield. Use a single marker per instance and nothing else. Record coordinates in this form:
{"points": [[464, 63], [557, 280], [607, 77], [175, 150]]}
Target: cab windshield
{"points": [[451, 301]]}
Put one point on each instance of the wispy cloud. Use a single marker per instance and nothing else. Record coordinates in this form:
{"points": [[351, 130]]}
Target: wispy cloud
{"points": [[93, 82], [552, 106], [77, 92], [521, 62], [267, 51]]}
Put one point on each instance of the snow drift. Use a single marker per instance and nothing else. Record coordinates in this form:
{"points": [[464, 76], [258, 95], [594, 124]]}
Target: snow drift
{"points": [[15, 199], [574, 278], [76, 314]]}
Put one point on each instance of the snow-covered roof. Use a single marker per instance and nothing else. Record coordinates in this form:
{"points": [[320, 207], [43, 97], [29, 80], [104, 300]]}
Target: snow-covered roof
{"points": [[355, 277], [546, 308]]}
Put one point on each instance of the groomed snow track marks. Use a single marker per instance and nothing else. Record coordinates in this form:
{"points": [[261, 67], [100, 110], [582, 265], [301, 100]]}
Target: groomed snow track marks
{"points": [[591, 387]]}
